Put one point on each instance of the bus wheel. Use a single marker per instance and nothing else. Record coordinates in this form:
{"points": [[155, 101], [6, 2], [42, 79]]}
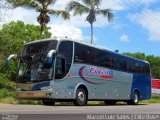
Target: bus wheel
{"points": [[81, 97], [48, 102], [135, 99], [110, 102]]}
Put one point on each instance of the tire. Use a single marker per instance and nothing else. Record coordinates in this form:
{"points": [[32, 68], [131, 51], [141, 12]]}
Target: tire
{"points": [[81, 97], [48, 102], [135, 100], [110, 102]]}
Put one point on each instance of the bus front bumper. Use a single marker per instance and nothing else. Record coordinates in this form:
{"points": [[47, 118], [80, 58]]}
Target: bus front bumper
{"points": [[33, 95]]}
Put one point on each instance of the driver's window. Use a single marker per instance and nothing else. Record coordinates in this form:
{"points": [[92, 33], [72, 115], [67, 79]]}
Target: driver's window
{"points": [[60, 68]]}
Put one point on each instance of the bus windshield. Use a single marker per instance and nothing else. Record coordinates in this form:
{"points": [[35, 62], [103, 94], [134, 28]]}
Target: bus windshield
{"points": [[33, 66]]}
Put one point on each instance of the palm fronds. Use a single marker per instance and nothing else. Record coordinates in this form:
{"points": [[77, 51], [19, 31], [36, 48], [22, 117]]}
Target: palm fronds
{"points": [[65, 15], [78, 8], [41, 6], [106, 13], [91, 7]]}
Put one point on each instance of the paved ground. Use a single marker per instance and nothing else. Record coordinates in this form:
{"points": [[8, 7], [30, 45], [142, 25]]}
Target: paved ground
{"points": [[43, 111], [98, 109]]}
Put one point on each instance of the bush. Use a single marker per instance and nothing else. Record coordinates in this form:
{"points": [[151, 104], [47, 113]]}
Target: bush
{"points": [[7, 88]]}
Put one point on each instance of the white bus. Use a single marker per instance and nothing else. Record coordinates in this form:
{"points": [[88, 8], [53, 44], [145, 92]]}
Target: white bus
{"points": [[67, 70]]}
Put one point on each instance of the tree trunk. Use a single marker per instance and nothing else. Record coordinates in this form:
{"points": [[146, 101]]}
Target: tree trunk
{"points": [[91, 33], [42, 29]]}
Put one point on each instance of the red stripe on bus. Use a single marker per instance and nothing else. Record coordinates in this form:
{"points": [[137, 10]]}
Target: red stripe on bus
{"points": [[106, 76]]}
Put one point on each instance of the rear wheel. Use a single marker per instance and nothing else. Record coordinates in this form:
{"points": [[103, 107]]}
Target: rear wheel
{"points": [[110, 102], [135, 99], [48, 102], [81, 97]]}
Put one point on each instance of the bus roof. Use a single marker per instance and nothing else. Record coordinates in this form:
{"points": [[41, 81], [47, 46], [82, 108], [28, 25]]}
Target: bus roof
{"points": [[84, 43]]}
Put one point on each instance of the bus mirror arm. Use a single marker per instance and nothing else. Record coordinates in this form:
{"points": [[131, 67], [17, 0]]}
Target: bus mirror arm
{"points": [[50, 55], [9, 58]]}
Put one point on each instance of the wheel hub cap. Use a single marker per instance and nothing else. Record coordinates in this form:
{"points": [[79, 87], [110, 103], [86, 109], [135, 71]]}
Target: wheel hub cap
{"points": [[81, 96]]}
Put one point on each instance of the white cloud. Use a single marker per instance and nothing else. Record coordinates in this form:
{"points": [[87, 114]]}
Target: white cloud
{"points": [[74, 26], [124, 38], [113, 4], [27, 15], [127, 4], [145, 2], [80, 21], [149, 20], [63, 30], [58, 25]]}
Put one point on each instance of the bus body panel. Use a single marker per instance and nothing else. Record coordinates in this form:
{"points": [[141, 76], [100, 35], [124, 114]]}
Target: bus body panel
{"points": [[118, 87]]}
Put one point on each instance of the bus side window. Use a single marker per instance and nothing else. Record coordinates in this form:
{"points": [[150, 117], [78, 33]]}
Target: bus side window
{"points": [[66, 49], [60, 68], [109, 62]]}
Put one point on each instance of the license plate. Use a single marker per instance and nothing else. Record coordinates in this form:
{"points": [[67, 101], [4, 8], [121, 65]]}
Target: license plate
{"points": [[30, 94]]}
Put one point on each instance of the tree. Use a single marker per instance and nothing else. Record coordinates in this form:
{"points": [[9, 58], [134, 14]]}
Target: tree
{"points": [[117, 51], [43, 7], [12, 37], [4, 6], [14, 34], [155, 65], [138, 55], [90, 7], [153, 60]]}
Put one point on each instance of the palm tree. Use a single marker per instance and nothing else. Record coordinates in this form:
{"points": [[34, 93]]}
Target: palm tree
{"points": [[90, 7], [43, 7]]}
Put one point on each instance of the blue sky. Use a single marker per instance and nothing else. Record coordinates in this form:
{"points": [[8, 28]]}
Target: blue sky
{"points": [[128, 35], [136, 26]]}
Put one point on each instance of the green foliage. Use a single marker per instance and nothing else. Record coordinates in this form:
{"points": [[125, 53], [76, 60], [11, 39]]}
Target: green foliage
{"points": [[12, 37], [155, 65], [15, 34], [7, 88], [153, 60], [137, 55]]}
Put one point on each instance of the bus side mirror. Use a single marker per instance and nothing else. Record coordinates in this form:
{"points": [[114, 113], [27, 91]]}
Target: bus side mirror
{"points": [[50, 56], [9, 58]]}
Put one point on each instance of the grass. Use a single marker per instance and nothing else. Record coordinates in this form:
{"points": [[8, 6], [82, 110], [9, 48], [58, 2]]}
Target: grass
{"points": [[155, 99], [8, 95]]}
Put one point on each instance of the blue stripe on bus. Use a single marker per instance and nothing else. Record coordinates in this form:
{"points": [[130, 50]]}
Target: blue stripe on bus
{"points": [[143, 85], [40, 85]]}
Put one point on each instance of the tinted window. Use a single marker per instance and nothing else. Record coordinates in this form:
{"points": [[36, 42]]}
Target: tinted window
{"points": [[88, 55], [108, 61], [60, 68], [39, 48], [100, 58], [85, 54], [66, 50]]}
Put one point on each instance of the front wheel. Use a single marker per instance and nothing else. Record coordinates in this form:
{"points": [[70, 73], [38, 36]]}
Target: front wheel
{"points": [[81, 97], [48, 102], [135, 99]]}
